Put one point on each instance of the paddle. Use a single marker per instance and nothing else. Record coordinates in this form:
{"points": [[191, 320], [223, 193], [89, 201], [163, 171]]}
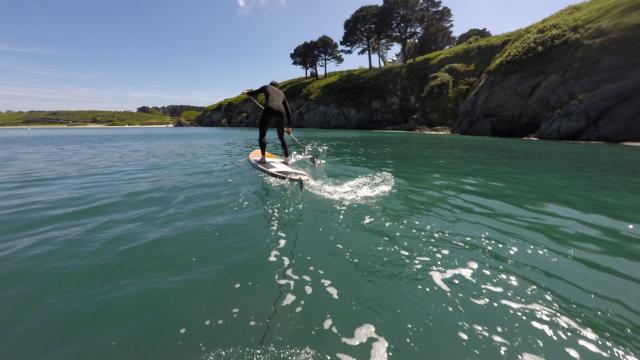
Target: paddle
{"points": [[314, 158]]}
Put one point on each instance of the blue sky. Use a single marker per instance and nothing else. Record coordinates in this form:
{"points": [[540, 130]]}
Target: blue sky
{"points": [[122, 54]]}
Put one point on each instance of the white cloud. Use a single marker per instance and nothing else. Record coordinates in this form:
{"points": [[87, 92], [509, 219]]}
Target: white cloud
{"points": [[22, 69], [23, 97], [28, 50], [46, 72], [244, 6]]}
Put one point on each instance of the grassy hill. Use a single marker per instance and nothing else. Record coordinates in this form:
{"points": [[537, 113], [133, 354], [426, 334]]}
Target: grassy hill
{"points": [[77, 118], [578, 62]]}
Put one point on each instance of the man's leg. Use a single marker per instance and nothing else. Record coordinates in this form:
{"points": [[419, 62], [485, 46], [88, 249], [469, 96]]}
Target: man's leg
{"points": [[283, 142], [264, 125]]}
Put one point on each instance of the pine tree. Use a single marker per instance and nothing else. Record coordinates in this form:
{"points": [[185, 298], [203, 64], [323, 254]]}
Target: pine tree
{"points": [[328, 52]]}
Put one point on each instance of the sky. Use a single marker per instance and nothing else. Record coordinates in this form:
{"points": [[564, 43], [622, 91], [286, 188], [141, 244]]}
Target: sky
{"points": [[123, 54]]}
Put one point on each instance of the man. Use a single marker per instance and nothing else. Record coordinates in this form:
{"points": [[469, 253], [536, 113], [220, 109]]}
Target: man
{"points": [[276, 111]]}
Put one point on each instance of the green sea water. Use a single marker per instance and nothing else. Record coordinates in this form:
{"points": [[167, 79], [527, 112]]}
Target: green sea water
{"points": [[167, 244]]}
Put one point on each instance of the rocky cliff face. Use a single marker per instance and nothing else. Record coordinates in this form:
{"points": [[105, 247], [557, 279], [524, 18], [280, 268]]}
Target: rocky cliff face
{"points": [[575, 75], [425, 93], [582, 84]]}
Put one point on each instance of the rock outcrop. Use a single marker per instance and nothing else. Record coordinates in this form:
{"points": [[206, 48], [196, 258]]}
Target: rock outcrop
{"points": [[580, 83]]}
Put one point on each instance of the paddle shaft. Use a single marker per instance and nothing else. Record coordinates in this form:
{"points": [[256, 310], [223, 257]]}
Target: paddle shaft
{"points": [[257, 103]]}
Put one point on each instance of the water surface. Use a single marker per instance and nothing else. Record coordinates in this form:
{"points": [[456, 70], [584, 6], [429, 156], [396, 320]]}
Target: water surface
{"points": [[167, 244]]}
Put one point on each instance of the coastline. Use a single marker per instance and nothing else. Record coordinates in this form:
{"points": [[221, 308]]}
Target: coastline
{"points": [[82, 126], [427, 131]]}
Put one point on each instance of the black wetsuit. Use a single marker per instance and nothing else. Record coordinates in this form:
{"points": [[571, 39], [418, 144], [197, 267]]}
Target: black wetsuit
{"points": [[275, 113]]}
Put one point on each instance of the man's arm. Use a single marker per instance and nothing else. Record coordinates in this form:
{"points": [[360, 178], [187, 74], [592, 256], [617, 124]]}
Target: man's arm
{"points": [[254, 93]]}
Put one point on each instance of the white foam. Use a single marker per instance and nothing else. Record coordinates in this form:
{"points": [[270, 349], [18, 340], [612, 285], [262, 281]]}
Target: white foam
{"points": [[480, 301], [327, 323], [493, 288], [291, 283], [281, 243], [306, 277], [535, 307], [592, 347], [331, 290], [498, 339], [463, 336], [290, 274], [288, 300], [573, 353], [544, 328], [367, 220], [308, 289], [543, 312], [362, 187], [285, 260], [237, 286], [274, 256], [182, 331], [586, 332], [527, 356], [438, 277], [325, 282], [364, 333], [472, 265]]}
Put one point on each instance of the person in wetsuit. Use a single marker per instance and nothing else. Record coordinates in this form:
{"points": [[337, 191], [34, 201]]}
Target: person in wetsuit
{"points": [[275, 113]]}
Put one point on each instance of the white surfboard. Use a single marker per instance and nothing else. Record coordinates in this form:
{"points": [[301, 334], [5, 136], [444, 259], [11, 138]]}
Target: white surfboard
{"points": [[276, 167]]}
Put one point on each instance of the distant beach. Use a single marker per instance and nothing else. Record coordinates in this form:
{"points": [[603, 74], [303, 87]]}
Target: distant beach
{"points": [[82, 126]]}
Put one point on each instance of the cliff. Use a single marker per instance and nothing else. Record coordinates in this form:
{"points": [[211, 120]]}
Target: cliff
{"points": [[574, 75]]}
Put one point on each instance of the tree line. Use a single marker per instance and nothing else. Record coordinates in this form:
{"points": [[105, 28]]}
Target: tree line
{"points": [[171, 110], [419, 27]]}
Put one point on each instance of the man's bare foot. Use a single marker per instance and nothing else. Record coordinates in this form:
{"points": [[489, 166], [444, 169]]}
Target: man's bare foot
{"points": [[262, 160], [286, 161]]}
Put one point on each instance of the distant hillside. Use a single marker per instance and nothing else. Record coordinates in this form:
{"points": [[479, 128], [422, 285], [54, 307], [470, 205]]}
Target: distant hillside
{"points": [[574, 75], [170, 110], [76, 118]]}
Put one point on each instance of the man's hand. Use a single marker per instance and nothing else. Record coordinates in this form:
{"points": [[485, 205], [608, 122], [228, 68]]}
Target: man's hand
{"points": [[288, 130]]}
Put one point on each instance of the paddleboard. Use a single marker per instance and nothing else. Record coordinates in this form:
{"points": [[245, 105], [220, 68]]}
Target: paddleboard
{"points": [[276, 167]]}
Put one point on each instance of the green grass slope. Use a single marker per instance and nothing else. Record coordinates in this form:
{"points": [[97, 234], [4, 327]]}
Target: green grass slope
{"points": [[77, 118]]}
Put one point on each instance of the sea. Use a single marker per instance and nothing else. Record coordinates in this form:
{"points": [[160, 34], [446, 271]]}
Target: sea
{"points": [[165, 243]]}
